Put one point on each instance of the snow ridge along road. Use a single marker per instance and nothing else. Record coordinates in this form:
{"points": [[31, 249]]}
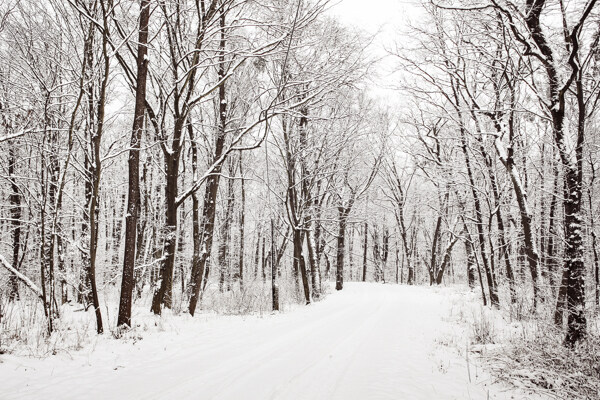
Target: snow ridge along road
{"points": [[367, 342]]}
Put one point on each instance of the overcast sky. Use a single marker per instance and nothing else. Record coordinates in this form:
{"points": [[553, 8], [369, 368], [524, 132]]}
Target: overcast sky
{"points": [[368, 15], [372, 15], [386, 18]]}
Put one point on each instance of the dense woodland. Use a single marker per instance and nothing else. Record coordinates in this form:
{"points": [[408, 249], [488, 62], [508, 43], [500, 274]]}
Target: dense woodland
{"points": [[181, 154]]}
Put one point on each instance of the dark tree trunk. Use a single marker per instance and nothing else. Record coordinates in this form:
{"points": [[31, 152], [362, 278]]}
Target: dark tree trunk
{"points": [[596, 270], [341, 244], [500, 223], [471, 256], [200, 270], [163, 294], [263, 261], [15, 214], [196, 232], [241, 268], [142, 237], [502, 239], [596, 258], [529, 248], [223, 255], [365, 246], [200, 267], [94, 210], [299, 262], [397, 261], [445, 261], [573, 170], [85, 296], [376, 255], [551, 256], [575, 297], [434, 247], [561, 299], [385, 252], [351, 252], [117, 228], [493, 292], [50, 177], [413, 255], [127, 283], [257, 253], [274, 262]]}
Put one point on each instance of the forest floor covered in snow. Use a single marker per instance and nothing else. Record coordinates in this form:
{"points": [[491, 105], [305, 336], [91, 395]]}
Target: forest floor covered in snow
{"points": [[369, 341]]}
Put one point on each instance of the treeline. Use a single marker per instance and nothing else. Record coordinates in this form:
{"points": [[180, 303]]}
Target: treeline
{"points": [[155, 149]]}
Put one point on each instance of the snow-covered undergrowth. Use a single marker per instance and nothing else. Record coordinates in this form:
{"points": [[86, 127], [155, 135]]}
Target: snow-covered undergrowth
{"points": [[525, 349], [23, 327]]}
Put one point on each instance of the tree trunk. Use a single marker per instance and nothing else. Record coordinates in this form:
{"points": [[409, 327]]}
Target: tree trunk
{"points": [[15, 214], [94, 210], [470, 264], [274, 262], [501, 232], [257, 253], [575, 298], [314, 264], [131, 217], [299, 262], [263, 261], [493, 292], [551, 256], [164, 293], [365, 246], [470, 257], [433, 262], [561, 299], [573, 168], [445, 261], [413, 255], [223, 255], [200, 270], [196, 232], [341, 243], [242, 225], [50, 176], [351, 252], [385, 252]]}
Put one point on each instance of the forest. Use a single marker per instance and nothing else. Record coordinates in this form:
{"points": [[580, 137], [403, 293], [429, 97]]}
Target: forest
{"points": [[165, 159]]}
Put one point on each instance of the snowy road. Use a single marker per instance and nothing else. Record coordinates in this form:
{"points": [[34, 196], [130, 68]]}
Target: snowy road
{"points": [[367, 342]]}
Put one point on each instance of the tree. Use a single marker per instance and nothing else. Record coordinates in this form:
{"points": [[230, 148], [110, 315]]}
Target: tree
{"points": [[536, 47], [131, 219]]}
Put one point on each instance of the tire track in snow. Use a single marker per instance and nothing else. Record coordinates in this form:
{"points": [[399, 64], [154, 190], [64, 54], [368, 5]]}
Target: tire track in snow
{"points": [[340, 348], [284, 336]]}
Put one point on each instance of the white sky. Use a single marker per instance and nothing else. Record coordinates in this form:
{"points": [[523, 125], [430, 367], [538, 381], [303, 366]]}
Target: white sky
{"points": [[389, 20], [372, 15]]}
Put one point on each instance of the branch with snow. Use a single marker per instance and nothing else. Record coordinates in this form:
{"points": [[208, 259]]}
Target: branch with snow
{"points": [[28, 282]]}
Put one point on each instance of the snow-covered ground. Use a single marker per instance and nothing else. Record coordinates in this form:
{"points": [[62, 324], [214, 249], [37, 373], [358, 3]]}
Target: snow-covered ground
{"points": [[369, 341]]}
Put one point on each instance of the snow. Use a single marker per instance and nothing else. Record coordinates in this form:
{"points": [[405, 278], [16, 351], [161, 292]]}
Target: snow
{"points": [[369, 341]]}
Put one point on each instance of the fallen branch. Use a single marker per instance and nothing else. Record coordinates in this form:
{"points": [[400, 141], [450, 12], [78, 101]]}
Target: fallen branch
{"points": [[28, 282]]}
